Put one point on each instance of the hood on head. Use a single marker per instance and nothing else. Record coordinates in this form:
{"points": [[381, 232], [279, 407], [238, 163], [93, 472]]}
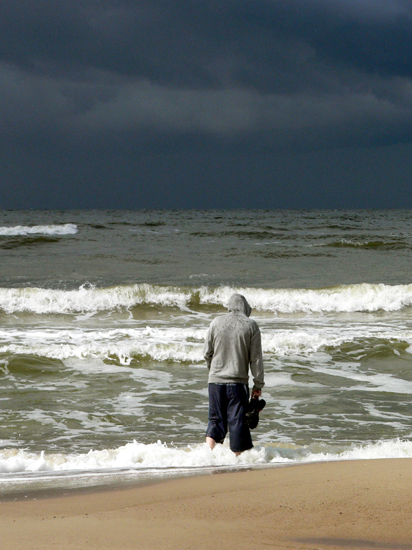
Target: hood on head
{"points": [[238, 303]]}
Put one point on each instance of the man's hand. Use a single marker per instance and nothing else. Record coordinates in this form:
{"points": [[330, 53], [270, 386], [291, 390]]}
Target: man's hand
{"points": [[256, 393]]}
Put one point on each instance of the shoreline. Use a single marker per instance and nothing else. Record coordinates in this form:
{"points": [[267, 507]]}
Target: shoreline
{"points": [[359, 504], [121, 482]]}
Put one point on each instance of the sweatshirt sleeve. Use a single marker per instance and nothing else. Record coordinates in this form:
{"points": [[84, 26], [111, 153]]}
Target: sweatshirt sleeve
{"points": [[208, 348], [256, 361]]}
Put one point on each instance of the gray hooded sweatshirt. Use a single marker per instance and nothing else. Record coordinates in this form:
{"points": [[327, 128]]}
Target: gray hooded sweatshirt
{"points": [[233, 344]]}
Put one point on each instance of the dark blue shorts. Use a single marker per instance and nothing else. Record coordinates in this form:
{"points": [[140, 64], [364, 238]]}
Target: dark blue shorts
{"points": [[227, 409]]}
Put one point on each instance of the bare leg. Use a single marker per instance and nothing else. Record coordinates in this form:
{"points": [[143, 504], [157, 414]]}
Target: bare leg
{"points": [[211, 442]]}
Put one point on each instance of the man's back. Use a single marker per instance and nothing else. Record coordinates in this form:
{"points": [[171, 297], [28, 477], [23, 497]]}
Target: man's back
{"points": [[234, 342]]}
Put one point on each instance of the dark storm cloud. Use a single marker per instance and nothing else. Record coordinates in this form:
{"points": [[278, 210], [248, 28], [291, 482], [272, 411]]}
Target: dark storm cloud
{"points": [[371, 36], [242, 76], [259, 43], [292, 70], [38, 103]]}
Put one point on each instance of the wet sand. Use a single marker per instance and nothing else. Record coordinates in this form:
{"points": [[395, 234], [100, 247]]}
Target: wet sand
{"points": [[337, 505]]}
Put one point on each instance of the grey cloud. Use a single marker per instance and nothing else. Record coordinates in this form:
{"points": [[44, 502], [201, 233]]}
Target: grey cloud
{"points": [[79, 79], [374, 37], [369, 11], [235, 111], [36, 102], [264, 44], [86, 108]]}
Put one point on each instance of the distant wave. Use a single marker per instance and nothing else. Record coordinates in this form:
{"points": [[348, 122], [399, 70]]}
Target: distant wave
{"points": [[17, 230], [24, 241], [370, 245], [240, 233], [89, 299]]}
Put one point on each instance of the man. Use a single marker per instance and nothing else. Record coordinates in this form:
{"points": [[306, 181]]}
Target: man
{"points": [[233, 345]]}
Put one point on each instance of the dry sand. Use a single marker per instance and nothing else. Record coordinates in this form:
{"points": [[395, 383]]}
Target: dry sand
{"points": [[339, 505]]}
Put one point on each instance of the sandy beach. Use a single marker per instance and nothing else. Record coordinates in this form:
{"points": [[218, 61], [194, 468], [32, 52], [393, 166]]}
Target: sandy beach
{"points": [[336, 505]]}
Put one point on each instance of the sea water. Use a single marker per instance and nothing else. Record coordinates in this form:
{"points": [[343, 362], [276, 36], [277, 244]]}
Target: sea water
{"points": [[103, 316]]}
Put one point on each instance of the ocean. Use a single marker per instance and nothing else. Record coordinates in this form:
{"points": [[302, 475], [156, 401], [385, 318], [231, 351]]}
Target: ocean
{"points": [[103, 315]]}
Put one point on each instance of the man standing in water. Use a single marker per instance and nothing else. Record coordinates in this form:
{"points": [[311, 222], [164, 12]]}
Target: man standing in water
{"points": [[233, 345]]}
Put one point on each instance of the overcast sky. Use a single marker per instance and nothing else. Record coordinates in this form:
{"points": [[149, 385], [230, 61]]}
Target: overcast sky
{"points": [[205, 104]]}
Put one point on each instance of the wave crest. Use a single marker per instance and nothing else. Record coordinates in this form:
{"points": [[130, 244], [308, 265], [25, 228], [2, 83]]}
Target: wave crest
{"points": [[341, 299], [139, 456], [89, 299], [22, 230]]}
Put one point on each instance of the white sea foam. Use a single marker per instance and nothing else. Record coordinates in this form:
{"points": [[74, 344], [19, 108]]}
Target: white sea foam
{"points": [[394, 448], [181, 344], [130, 456], [352, 298], [140, 457], [21, 230], [177, 344], [89, 299]]}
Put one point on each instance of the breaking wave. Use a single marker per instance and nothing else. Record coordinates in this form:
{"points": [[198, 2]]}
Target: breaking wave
{"points": [[183, 344], [352, 298], [138, 456], [22, 230]]}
